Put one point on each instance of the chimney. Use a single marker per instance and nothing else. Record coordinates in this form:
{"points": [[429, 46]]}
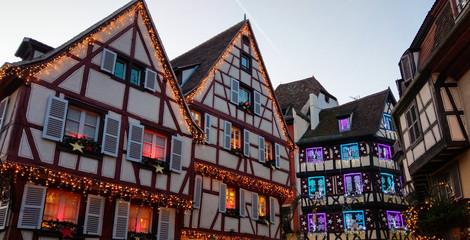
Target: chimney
{"points": [[30, 48]]}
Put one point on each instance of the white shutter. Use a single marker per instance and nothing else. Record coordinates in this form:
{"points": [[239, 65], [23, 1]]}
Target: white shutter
{"points": [[3, 214], [3, 110], [197, 192], [108, 61], [246, 143], [54, 122], [121, 217], [94, 215], [112, 129], [135, 141], [277, 155], [272, 209], [242, 203], [176, 158], [207, 123], [222, 197], [261, 157], [254, 206], [164, 224], [150, 79], [257, 103], [228, 135], [235, 85], [32, 207]]}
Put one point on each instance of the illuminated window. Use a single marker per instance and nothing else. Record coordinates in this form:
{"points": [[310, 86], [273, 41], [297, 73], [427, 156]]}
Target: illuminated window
{"points": [[230, 197], [344, 124], [154, 145], [388, 124], [353, 183], [316, 185], [197, 117], [388, 183], [81, 123], [354, 220], [349, 151], [394, 219], [268, 151], [317, 222], [384, 151], [120, 69], [262, 206], [314, 154], [236, 138], [140, 218], [61, 206], [413, 124]]}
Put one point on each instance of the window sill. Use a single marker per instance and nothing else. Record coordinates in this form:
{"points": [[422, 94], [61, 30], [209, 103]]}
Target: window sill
{"points": [[236, 151], [246, 107], [234, 213], [156, 165], [66, 147], [264, 220], [141, 236], [270, 164]]}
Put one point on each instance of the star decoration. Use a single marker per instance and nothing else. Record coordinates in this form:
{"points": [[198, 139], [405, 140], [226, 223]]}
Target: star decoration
{"points": [[366, 181], [136, 238], [328, 184], [158, 168], [330, 222], [302, 154], [339, 220], [340, 183], [66, 232], [336, 151], [304, 223], [77, 146], [305, 186], [369, 219]]}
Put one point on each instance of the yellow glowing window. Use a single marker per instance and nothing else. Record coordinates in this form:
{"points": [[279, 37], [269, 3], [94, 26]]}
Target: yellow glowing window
{"points": [[61, 206], [261, 206], [230, 198], [236, 143], [154, 145], [197, 117], [140, 219], [268, 151]]}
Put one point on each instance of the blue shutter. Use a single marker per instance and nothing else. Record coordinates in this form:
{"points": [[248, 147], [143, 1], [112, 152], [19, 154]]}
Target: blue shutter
{"points": [[234, 87], [111, 131], [227, 135], [246, 143], [261, 154], [56, 115], [135, 142], [108, 61]]}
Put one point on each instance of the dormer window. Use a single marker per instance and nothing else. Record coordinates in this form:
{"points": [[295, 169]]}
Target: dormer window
{"points": [[388, 124], [344, 123], [245, 62]]}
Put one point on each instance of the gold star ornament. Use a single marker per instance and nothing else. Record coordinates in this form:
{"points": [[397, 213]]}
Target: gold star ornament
{"points": [[77, 146], [158, 168]]}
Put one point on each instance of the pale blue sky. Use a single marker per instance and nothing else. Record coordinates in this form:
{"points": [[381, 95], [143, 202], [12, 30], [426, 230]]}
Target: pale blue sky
{"points": [[351, 46]]}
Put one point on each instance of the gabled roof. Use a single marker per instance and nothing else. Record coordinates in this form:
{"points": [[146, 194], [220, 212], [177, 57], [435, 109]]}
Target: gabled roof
{"points": [[205, 56], [296, 94], [366, 114]]}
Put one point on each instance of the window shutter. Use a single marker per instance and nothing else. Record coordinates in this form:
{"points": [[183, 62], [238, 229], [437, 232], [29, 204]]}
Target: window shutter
{"points": [[3, 110], [272, 209], [134, 144], [406, 67], [257, 103], [32, 207], [242, 203], [121, 216], [150, 79], [261, 157], [54, 122], [246, 143], [197, 192], [277, 154], [222, 197], [108, 61], [94, 215], [208, 124], [112, 128], [176, 158], [164, 224], [227, 135], [235, 85], [254, 206], [3, 214]]}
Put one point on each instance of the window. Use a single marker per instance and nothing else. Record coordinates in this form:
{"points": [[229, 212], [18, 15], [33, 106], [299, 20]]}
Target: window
{"points": [[413, 124], [245, 62], [235, 139], [81, 123], [316, 186], [448, 182], [230, 202], [268, 151], [61, 205], [388, 124], [262, 209], [314, 154], [154, 145], [458, 6], [316, 222], [349, 151], [197, 117], [354, 220], [394, 219], [344, 124], [208, 126], [120, 69], [244, 96], [353, 183], [135, 75], [388, 183], [407, 67], [384, 151], [140, 218], [3, 110]]}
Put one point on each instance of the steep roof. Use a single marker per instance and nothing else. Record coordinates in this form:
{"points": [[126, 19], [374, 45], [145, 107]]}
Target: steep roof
{"points": [[204, 56], [296, 94], [366, 116]]}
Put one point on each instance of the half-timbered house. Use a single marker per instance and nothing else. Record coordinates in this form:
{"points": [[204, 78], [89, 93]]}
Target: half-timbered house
{"points": [[431, 115], [96, 137], [242, 172], [350, 186]]}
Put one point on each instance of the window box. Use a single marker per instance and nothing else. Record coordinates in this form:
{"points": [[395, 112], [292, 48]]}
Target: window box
{"points": [[90, 148], [62, 229], [141, 236], [264, 220], [235, 213], [270, 163], [236, 151], [152, 163], [246, 107]]}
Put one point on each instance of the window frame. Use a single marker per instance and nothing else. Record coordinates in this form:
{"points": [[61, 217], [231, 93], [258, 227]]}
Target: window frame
{"points": [[350, 157], [380, 151], [231, 189], [354, 211], [317, 180], [265, 206], [312, 225], [394, 214], [153, 144], [268, 150], [244, 55], [391, 186], [388, 123], [346, 120], [413, 125], [315, 150], [352, 182], [197, 116], [61, 205], [82, 122], [234, 139], [139, 213]]}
